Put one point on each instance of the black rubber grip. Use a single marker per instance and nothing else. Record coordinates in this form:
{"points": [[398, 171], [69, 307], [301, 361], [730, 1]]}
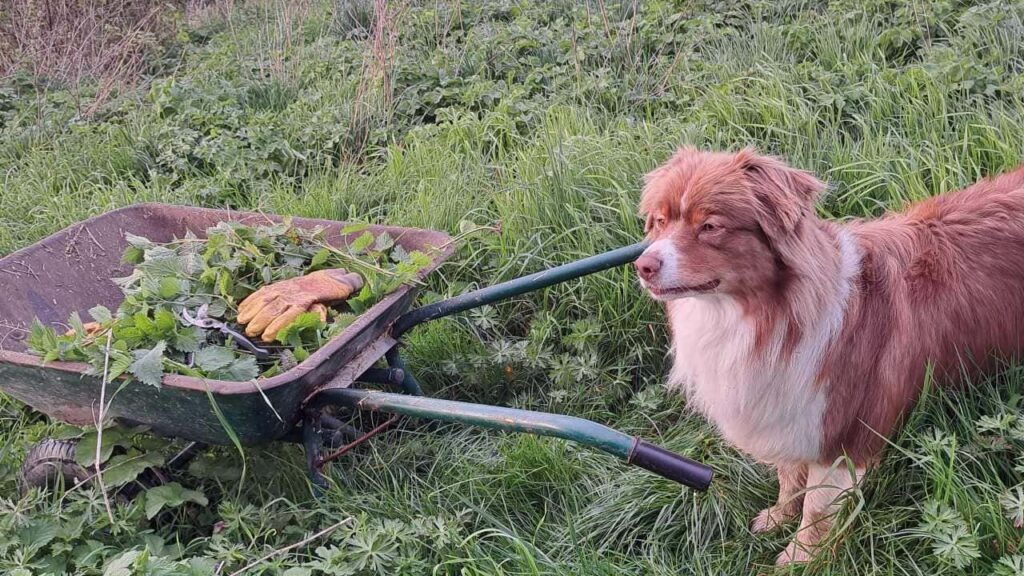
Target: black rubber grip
{"points": [[671, 465]]}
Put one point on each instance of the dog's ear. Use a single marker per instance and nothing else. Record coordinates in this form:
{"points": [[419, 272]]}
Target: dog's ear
{"points": [[785, 195], [651, 197]]}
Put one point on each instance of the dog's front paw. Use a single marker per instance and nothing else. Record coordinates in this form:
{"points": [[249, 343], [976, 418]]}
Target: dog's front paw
{"points": [[771, 518], [794, 553]]}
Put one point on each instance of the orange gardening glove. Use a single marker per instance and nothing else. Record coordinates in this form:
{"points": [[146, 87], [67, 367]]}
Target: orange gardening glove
{"points": [[274, 306], [321, 311], [91, 329]]}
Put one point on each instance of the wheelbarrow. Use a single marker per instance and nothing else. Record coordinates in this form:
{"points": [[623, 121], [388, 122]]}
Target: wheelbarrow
{"points": [[70, 271]]}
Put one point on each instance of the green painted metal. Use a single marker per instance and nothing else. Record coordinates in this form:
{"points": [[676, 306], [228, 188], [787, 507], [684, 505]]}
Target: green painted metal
{"points": [[633, 450], [494, 417], [518, 286]]}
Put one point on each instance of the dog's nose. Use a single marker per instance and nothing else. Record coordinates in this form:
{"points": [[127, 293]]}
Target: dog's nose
{"points": [[647, 266]]}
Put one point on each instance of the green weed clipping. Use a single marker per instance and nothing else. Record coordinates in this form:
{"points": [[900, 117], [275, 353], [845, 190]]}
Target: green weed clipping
{"points": [[154, 331]]}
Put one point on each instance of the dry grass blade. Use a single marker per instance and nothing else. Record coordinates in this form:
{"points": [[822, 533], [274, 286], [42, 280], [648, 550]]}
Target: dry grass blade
{"points": [[99, 428], [298, 544], [373, 98]]}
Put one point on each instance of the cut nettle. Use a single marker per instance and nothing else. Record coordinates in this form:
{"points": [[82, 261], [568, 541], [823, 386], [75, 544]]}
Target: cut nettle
{"points": [[283, 283]]}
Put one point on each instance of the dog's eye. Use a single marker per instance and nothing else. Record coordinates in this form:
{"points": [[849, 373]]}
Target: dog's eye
{"points": [[659, 222], [709, 227]]}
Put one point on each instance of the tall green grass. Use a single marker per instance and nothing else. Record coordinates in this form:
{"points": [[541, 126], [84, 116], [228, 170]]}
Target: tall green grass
{"points": [[544, 117]]}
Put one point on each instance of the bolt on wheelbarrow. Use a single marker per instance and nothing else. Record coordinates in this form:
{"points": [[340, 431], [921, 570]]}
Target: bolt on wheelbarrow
{"points": [[70, 271]]}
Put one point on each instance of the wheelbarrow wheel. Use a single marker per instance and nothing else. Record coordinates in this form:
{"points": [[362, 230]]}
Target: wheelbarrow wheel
{"points": [[50, 465]]}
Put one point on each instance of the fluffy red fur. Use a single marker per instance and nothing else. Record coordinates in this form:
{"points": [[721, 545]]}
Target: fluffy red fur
{"points": [[765, 298]]}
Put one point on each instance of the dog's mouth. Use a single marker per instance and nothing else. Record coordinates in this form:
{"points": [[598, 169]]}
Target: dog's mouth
{"points": [[659, 292]]}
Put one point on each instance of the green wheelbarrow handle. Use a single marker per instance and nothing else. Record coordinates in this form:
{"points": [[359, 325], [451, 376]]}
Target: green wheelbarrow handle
{"points": [[631, 449]]}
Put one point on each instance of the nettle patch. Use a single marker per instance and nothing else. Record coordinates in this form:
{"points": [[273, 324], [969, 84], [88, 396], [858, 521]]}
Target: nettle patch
{"points": [[150, 332]]}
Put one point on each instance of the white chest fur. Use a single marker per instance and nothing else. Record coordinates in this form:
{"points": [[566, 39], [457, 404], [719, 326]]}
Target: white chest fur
{"points": [[766, 404], [769, 409]]}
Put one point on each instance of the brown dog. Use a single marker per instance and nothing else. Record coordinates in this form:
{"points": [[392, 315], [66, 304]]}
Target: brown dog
{"points": [[805, 341]]}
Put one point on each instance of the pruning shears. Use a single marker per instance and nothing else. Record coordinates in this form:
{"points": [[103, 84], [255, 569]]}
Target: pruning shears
{"points": [[203, 320]]}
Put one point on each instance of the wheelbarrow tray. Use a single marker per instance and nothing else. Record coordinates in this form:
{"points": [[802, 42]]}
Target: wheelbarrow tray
{"points": [[71, 271]]}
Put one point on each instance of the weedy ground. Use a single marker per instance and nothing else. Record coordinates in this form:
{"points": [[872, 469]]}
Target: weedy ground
{"points": [[542, 116]]}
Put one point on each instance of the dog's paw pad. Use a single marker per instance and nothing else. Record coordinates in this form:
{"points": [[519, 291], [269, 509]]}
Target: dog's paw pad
{"points": [[793, 554]]}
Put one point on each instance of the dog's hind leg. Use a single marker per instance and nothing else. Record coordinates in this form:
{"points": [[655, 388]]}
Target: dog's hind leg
{"points": [[826, 486], [792, 480]]}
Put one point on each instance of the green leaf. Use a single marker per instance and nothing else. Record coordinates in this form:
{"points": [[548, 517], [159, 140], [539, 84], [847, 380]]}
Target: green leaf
{"points": [[419, 259], [200, 567], [224, 284], [302, 322], [217, 308], [208, 467], [320, 258], [467, 226], [398, 254], [124, 468], [127, 563], [297, 571], [170, 495], [241, 370], [37, 534], [149, 366], [144, 324], [132, 255], [361, 243], [85, 450], [43, 341], [362, 301], [100, 314], [1012, 501], [137, 241], [67, 432], [211, 358], [164, 322], [187, 339], [75, 321], [169, 287], [355, 227], [383, 243], [159, 262], [130, 335], [119, 363]]}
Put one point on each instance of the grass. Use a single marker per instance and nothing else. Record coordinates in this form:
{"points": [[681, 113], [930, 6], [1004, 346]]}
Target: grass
{"points": [[543, 117]]}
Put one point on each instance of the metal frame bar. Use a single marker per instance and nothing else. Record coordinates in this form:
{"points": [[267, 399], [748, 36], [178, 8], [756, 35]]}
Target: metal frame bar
{"points": [[631, 449], [516, 287]]}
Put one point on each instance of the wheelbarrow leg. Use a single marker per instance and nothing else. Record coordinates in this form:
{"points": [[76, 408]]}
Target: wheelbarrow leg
{"points": [[409, 383], [312, 443]]}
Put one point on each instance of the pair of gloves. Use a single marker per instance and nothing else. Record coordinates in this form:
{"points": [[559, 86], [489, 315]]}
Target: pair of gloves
{"points": [[266, 311]]}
